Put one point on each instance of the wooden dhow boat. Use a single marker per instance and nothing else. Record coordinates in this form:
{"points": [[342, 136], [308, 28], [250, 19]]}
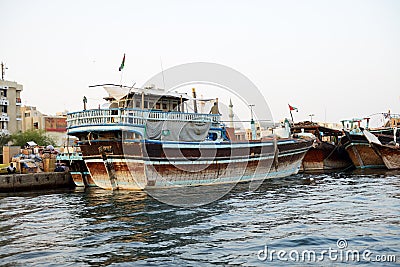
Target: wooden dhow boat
{"points": [[145, 138], [357, 146], [77, 168], [326, 154], [390, 152]]}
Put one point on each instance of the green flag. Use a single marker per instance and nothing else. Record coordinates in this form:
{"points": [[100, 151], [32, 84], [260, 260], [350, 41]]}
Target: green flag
{"points": [[122, 64]]}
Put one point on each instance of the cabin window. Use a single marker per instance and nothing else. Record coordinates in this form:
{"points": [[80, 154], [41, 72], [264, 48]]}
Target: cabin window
{"points": [[174, 105], [158, 106], [151, 104], [137, 103], [146, 104], [131, 136], [129, 103], [164, 106], [212, 136]]}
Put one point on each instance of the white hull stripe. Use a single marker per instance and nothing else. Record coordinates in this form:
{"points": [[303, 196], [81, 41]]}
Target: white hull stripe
{"points": [[189, 162]]}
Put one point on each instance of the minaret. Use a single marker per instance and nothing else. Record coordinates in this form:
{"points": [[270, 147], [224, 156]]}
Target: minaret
{"points": [[230, 114]]}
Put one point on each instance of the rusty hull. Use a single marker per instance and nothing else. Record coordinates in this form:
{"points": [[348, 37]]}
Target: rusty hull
{"points": [[360, 152], [135, 166], [390, 155], [326, 157]]}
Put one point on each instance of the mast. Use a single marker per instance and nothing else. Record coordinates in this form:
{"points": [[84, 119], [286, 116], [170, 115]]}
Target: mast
{"points": [[194, 100]]}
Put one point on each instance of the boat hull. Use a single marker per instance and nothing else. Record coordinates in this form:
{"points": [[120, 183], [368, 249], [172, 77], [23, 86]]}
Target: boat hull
{"points": [[361, 153], [363, 156], [326, 157], [145, 165], [78, 170], [82, 179], [390, 155]]}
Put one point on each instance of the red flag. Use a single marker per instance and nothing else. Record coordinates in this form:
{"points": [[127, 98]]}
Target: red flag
{"points": [[293, 108]]}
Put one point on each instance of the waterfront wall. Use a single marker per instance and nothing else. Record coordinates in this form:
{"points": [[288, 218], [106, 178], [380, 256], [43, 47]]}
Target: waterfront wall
{"points": [[31, 181]]}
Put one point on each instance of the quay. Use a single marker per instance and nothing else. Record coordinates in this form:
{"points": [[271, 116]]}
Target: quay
{"points": [[34, 181]]}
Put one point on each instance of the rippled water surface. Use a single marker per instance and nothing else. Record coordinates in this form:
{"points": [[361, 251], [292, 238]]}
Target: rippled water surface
{"points": [[302, 212]]}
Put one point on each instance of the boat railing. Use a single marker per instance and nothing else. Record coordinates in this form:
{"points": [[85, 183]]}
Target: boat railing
{"points": [[133, 116]]}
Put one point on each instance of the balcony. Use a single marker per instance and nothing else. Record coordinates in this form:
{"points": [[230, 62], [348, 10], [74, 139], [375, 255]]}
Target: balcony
{"points": [[4, 101], [102, 117], [4, 132], [18, 101], [4, 117]]}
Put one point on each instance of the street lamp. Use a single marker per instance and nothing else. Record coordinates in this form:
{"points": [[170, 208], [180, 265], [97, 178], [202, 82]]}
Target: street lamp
{"points": [[252, 124], [311, 115]]}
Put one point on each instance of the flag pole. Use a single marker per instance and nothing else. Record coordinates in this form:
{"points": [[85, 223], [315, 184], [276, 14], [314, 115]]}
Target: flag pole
{"points": [[291, 115], [120, 81], [121, 69]]}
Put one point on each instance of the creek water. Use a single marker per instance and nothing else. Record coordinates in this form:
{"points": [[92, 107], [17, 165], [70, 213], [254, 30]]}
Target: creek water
{"points": [[321, 219]]}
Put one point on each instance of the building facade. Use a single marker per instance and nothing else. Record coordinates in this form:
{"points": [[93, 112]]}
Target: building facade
{"points": [[10, 107], [55, 126]]}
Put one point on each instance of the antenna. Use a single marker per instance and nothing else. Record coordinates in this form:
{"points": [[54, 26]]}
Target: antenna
{"points": [[126, 102], [3, 70], [162, 71]]}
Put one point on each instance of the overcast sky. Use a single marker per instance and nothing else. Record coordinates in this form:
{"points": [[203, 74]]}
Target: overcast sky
{"points": [[335, 59]]}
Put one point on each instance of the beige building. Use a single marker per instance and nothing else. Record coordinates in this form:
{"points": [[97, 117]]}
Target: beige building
{"points": [[55, 126], [32, 119], [259, 129], [10, 107], [240, 135]]}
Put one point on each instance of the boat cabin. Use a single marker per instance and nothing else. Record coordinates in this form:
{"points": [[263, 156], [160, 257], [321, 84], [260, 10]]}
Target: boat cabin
{"points": [[323, 134], [143, 113], [147, 98]]}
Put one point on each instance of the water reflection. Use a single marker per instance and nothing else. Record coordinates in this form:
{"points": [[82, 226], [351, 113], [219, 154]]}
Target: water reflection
{"points": [[99, 227]]}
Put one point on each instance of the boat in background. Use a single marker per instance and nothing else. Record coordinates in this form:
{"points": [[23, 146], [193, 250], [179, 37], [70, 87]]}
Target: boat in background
{"points": [[357, 146], [390, 152], [146, 138], [326, 154], [73, 159]]}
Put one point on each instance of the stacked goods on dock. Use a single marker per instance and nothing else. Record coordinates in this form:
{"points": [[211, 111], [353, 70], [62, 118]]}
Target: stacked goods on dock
{"points": [[48, 157], [37, 159]]}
